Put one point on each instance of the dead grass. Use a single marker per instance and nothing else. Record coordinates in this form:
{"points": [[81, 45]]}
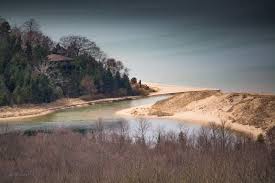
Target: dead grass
{"points": [[212, 155]]}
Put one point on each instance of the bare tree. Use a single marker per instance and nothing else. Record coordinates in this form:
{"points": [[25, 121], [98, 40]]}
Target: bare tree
{"points": [[4, 128], [97, 54], [31, 25], [225, 134], [78, 45], [44, 69], [29, 28], [183, 132], [100, 130], [142, 129], [220, 135], [123, 127], [123, 131], [115, 66], [101, 56]]}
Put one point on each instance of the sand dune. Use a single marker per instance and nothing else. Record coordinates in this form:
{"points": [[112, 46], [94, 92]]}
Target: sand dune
{"points": [[251, 113]]}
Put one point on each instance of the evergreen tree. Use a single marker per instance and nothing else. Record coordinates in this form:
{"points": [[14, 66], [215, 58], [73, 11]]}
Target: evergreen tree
{"points": [[117, 81], [27, 77], [3, 92], [126, 84], [28, 51], [108, 82]]}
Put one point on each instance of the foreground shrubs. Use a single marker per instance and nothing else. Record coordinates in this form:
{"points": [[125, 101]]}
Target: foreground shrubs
{"points": [[212, 155]]}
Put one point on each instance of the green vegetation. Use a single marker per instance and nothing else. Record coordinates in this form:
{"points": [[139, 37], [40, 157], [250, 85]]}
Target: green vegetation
{"points": [[27, 75]]}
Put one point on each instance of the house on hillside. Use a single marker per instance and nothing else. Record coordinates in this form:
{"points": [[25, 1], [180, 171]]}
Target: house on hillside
{"points": [[60, 61], [58, 58]]}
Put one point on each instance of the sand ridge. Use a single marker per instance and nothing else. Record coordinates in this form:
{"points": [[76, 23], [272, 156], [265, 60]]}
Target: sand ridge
{"points": [[247, 112]]}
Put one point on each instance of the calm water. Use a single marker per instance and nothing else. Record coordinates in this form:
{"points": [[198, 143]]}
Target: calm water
{"points": [[86, 117]]}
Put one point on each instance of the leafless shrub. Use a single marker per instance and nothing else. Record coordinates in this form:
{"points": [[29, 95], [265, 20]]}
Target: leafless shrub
{"points": [[99, 130], [64, 156], [142, 129], [4, 128]]}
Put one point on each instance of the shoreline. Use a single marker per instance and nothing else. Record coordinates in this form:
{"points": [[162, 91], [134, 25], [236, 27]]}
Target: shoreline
{"points": [[33, 110], [190, 117], [10, 114], [166, 89], [19, 112], [241, 111]]}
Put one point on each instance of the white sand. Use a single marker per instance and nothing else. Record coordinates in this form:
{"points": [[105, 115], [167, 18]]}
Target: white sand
{"points": [[8, 114], [163, 89], [193, 117], [28, 111], [197, 111]]}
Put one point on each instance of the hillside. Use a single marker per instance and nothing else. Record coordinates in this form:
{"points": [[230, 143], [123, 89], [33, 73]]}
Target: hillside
{"points": [[243, 108], [35, 70]]}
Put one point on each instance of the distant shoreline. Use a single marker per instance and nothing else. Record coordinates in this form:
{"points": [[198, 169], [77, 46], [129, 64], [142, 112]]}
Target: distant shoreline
{"points": [[19, 112]]}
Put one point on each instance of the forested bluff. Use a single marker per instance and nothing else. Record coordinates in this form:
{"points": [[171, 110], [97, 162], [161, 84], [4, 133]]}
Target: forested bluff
{"points": [[35, 69]]}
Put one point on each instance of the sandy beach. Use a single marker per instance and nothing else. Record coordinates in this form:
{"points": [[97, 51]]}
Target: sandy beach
{"points": [[190, 104], [193, 117], [18, 112], [165, 89], [8, 113], [245, 112]]}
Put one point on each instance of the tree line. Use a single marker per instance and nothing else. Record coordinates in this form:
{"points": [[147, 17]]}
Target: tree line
{"points": [[27, 76]]}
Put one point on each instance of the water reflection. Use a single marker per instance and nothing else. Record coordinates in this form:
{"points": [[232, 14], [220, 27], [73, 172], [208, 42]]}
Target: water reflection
{"points": [[85, 118]]}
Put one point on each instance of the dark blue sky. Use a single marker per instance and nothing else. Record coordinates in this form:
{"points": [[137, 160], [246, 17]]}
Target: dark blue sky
{"points": [[257, 11], [217, 43]]}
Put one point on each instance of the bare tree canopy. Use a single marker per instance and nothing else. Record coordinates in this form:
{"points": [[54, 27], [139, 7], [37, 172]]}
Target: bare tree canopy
{"points": [[114, 66], [142, 129], [79, 45], [31, 26], [31, 31]]}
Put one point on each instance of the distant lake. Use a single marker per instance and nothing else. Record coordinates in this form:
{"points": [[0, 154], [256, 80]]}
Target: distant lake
{"points": [[185, 50], [233, 59], [192, 52]]}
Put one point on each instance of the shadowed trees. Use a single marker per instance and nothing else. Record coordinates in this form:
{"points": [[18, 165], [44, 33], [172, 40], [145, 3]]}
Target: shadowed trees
{"points": [[27, 76]]}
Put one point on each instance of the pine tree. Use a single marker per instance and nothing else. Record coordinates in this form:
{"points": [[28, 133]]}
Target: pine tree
{"points": [[28, 51], [108, 82], [117, 81]]}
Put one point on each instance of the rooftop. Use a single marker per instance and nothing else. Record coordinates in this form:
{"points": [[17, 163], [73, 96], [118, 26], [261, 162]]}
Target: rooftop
{"points": [[58, 58]]}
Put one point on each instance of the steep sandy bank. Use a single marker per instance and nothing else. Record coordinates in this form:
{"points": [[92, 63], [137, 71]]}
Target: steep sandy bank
{"points": [[253, 113]]}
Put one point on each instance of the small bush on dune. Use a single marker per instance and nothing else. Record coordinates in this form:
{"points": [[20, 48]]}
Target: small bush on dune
{"points": [[260, 138]]}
